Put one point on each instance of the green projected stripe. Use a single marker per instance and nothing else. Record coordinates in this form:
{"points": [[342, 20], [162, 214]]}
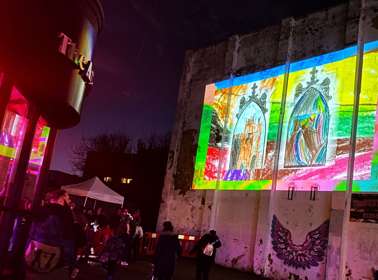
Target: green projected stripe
{"points": [[7, 151], [204, 135], [45, 131]]}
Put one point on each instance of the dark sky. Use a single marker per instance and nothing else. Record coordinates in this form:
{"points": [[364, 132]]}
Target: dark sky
{"points": [[139, 54]]}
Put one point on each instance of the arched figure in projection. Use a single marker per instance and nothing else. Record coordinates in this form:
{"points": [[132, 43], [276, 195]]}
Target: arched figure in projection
{"points": [[307, 136], [249, 136]]}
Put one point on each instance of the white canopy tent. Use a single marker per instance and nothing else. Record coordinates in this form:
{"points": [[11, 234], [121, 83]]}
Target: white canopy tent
{"points": [[95, 189]]}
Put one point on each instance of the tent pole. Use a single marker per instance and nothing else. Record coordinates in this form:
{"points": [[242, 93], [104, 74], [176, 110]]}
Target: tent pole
{"points": [[85, 201], [94, 205]]}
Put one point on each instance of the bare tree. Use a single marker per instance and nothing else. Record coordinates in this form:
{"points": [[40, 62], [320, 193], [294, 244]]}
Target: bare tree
{"points": [[107, 143]]}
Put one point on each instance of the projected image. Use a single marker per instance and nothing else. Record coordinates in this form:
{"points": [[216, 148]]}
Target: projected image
{"points": [[308, 127], [317, 124], [238, 132], [366, 156], [240, 124]]}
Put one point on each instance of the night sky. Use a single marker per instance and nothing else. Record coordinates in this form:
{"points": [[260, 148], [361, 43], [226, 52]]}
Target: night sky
{"points": [[139, 54]]}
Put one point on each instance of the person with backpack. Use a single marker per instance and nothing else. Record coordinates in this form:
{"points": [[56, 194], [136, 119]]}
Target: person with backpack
{"points": [[205, 250]]}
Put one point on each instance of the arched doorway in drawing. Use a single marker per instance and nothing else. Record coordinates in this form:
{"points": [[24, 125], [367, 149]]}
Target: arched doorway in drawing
{"points": [[308, 127], [249, 136]]}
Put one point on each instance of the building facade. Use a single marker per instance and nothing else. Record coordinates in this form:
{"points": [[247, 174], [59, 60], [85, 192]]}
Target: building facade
{"points": [[45, 72], [274, 130]]}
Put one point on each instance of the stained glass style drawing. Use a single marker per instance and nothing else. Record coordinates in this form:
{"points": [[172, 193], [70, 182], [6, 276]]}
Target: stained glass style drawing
{"points": [[306, 143], [249, 134], [244, 117]]}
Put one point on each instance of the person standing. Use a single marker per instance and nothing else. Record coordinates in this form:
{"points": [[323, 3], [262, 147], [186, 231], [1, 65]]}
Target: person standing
{"points": [[113, 250], [137, 239], [167, 250], [205, 250], [125, 233], [52, 227]]}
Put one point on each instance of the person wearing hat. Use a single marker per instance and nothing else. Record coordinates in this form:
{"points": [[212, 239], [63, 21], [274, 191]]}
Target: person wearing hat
{"points": [[205, 250], [167, 250]]}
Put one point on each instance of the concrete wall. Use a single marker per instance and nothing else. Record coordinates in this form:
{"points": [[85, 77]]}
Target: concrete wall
{"points": [[299, 215], [243, 219], [362, 250], [237, 218]]}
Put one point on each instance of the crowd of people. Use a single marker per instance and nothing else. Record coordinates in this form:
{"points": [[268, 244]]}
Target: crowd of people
{"points": [[62, 234]]}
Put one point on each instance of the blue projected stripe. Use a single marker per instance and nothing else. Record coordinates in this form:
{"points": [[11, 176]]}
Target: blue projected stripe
{"points": [[371, 46], [296, 66], [258, 76], [323, 59]]}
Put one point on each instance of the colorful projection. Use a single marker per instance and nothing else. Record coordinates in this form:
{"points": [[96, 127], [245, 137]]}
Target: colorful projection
{"points": [[241, 125]]}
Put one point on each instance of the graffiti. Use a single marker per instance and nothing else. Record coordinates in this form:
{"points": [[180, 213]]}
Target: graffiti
{"points": [[310, 253]]}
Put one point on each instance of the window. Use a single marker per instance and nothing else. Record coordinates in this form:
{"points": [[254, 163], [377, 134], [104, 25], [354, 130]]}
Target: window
{"points": [[107, 179], [37, 155], [125, 180], [11, 139]]}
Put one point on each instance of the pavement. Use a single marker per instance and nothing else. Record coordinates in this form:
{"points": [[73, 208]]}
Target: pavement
{"points": [[142, 270]]}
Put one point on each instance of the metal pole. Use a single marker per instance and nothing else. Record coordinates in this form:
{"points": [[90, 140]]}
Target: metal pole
{"points": [[280, 124], [357, 91], [85, 201], [215, 204], [283, 104]]}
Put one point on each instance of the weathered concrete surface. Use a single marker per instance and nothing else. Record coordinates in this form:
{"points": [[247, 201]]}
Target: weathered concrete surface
{"points": [[237, 217], [362, 250], [335, 234], [244, 221], [300, 216]]}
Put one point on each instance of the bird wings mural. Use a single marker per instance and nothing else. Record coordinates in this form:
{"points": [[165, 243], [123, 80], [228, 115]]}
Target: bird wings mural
{"points": [[310, 253]]}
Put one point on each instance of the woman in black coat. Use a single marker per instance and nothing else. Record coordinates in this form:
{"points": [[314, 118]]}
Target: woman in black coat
{"points": [[205, 250], [167, 250]]}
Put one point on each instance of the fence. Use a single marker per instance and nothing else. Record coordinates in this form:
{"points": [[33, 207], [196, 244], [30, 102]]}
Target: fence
{"points": [[150, 241]]}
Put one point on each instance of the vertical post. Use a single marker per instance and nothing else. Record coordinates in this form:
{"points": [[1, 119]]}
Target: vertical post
{"points": [[15, 189], [215, 204], [353, 136], [283, 105], [279, 132]]}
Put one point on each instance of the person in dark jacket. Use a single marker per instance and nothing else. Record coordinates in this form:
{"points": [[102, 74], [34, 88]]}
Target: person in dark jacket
{"points": [[113, 250], [167, 250], [205, 250], [54, 224]]}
